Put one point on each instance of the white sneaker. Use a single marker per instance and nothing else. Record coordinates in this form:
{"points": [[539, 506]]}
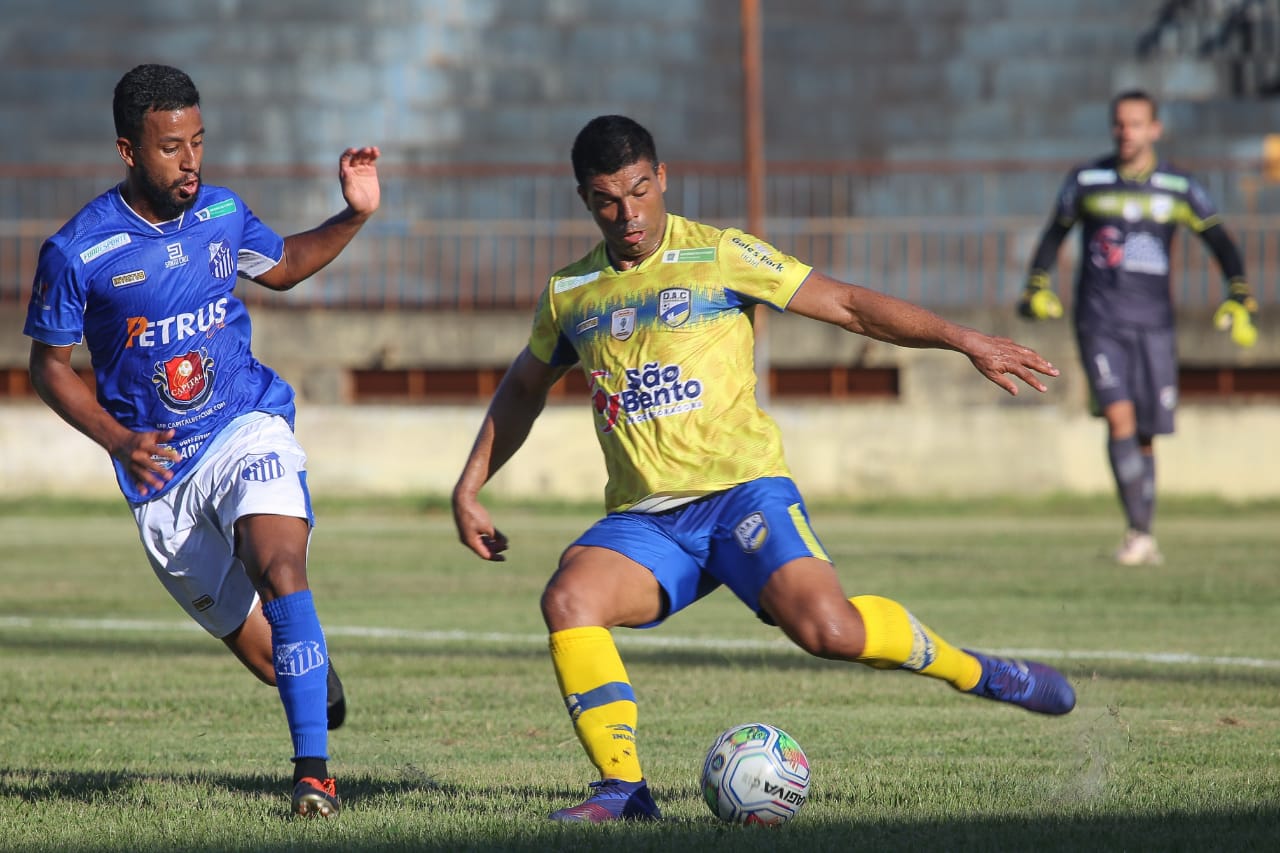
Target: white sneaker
{"points": [[1138, 549]]}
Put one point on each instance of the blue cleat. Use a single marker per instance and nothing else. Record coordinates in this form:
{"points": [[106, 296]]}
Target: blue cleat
{"points": [[613, 799], [1025, 683]]}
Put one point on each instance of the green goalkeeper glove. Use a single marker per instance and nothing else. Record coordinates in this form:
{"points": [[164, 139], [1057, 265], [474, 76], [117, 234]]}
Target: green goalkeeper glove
{"points": [[1235, 314], [1038, 301]]}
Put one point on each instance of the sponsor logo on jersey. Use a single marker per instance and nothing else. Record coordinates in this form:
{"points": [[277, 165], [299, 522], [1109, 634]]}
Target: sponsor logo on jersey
{"points": [[1106, 249], [221, 265], [126, 279], [622, 323], [113, 242], [144, 332], [1132, 210], [653, 391], [751, 532], [700, 255], [226, 207], [185, 382], [1144, 253], [177, 257], [759, 254], [586, 325], [267, 468], [1094, 177], [1161, 207], [1172, 183], [674, 306], [573, 281], [296, 659]]}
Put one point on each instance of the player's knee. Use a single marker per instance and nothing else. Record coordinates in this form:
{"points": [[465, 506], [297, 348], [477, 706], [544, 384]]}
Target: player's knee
{"points": [[281, 576], [830, 635]]}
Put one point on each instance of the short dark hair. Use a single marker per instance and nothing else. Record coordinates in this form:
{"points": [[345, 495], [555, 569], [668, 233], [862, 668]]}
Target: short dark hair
{"points": [[146, 88], [609, 143], [1136, 95]]}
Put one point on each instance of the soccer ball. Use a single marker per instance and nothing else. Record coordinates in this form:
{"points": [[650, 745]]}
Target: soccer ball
{"points": [[755, 774]]}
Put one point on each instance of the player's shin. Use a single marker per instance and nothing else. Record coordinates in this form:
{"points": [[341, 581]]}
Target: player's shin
{"points": [[1129, 469], [897, 640], [599, 699], [302, 672]]}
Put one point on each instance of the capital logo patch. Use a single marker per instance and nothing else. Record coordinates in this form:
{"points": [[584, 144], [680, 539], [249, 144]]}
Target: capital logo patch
{"points": [[185, 382]]}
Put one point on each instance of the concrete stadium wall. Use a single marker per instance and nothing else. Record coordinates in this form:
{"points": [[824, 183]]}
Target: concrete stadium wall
{"points": [[949, 433]]}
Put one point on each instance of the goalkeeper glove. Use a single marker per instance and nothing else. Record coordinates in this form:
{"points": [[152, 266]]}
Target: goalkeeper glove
{"points": [[1235, 314], [1038, 301]]}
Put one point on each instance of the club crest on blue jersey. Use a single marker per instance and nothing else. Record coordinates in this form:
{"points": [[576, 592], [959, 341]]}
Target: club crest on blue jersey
{"points": [[221, 264], [185, 382], [751, 532], [674, 306]]}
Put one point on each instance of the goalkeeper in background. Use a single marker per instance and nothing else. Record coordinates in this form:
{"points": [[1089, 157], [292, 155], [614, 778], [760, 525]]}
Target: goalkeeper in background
{"points": [[1129, 206]]}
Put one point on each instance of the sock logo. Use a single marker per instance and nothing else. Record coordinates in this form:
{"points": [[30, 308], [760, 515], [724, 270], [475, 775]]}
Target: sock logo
{"points": [[297, 659], [922, 649]]}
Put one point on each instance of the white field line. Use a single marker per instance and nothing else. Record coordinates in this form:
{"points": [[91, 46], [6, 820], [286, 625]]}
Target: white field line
{"points": [[635, 640]]}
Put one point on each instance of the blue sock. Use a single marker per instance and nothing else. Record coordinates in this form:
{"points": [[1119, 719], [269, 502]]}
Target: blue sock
{"points": [[302, 671]]}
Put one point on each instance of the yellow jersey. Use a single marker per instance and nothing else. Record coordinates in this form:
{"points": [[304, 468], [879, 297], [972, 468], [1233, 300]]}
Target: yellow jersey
{"points": [[668, 348]]}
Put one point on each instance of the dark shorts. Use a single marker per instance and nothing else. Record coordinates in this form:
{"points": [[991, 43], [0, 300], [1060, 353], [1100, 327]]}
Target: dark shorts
{"points": [[1138, 365], [737, 538]]}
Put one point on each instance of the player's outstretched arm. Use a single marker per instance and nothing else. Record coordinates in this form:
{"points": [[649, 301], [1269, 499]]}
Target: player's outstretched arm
{"points": [[896, 321], [515, 406], [307, 253], [62, 389]]}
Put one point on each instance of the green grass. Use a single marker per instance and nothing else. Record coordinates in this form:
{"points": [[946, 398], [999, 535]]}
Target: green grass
{"points": [[144, 734]]}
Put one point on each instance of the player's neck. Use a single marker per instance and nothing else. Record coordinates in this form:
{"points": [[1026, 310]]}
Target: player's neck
{"points": [[1138, 167]]}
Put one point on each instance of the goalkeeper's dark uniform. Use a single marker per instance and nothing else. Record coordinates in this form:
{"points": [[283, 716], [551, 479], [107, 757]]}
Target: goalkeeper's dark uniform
{"points": [[1124, 316]]}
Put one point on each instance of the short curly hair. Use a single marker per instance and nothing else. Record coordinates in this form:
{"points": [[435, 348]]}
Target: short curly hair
{"points": [[146, 88]]}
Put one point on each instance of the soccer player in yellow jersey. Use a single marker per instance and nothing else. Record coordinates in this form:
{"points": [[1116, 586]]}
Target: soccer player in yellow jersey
{"points": [[658, 316]]}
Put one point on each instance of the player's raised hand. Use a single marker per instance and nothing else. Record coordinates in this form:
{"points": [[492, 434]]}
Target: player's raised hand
{"points": [[476, 530], [358, 174], [999, 358], [148, 458]]}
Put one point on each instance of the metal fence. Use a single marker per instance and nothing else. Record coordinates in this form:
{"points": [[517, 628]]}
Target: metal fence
{"points": [[487, 238]]}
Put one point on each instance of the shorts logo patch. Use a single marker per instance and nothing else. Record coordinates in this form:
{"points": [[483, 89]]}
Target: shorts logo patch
{"points": [[202, 603], [1169, 397], [297, 659], [267, 468], [751, 532]]}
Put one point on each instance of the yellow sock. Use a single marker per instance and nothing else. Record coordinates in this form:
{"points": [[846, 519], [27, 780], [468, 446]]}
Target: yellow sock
{"points": [[600, 700], [897, 640]]}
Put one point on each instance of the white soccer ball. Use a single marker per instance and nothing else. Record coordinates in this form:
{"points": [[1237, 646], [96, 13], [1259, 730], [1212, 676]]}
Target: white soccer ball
{"points": [[755, 774]]}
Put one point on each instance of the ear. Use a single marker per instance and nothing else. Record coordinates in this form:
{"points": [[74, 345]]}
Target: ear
{"points": [[1157, 130], [125, 148], [661, 172]]}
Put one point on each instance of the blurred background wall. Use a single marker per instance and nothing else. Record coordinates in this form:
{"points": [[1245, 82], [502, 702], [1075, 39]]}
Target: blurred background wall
{"points": [[910, 145]]}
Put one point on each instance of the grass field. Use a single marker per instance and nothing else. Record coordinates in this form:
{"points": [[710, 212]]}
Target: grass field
{"points": [[124, 728]]}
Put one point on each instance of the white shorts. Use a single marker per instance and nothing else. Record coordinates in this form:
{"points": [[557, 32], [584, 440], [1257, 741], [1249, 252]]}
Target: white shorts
{"points": [[256, 466]]}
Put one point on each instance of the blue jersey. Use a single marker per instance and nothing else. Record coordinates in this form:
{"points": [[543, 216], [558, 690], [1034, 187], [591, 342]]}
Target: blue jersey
{"points": [[168, 339]]}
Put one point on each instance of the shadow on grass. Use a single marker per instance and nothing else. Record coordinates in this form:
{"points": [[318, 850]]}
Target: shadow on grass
{"points": [[416, 813]]}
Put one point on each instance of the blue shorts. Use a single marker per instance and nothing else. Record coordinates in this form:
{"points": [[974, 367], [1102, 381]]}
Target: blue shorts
{"points": [[738, 538], [1138, 365]]}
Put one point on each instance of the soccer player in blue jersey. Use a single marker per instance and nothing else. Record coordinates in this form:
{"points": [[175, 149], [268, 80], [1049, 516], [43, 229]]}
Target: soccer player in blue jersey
{"points": [[1129, 206], [658, 318], [199, 431]]}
